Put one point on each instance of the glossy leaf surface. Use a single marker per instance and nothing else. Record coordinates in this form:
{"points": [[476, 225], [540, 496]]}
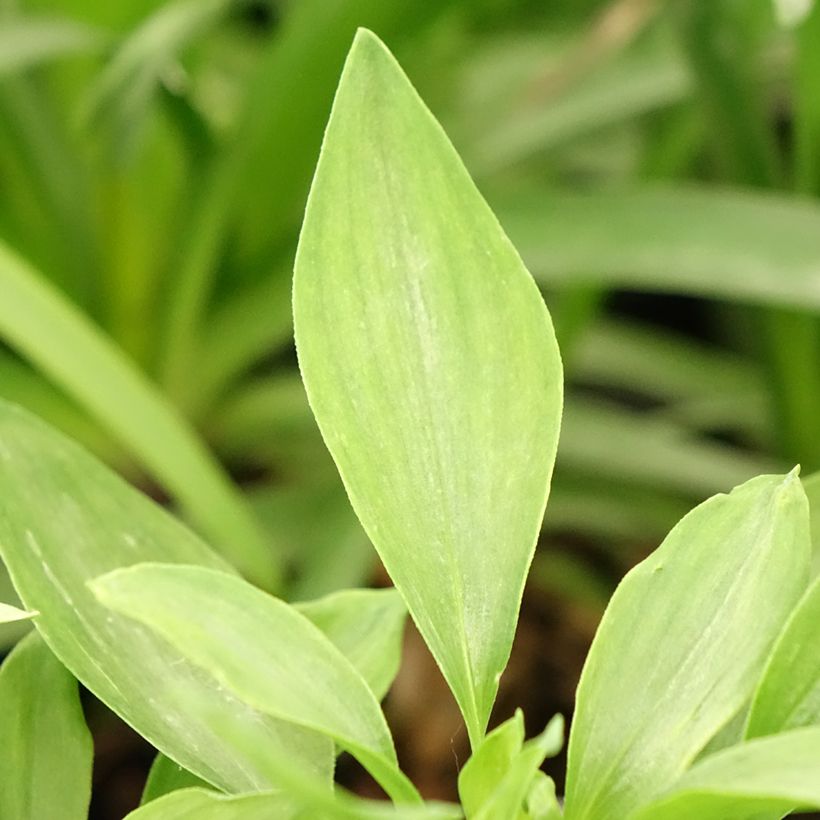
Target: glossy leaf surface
{"points": [[438, 391]]}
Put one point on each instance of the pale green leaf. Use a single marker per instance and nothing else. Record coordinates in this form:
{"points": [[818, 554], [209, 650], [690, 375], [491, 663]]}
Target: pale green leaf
{"points": [[769, 776], [263, 653], [65, 519], [737, 245], [45, 746], [788, 695], [438, 392], [489, 763], [542, 801], [683, 643], [165, 777], [811, 484], [26, 42], [199, 804], [367, 627], [9, 613], [48, 330], [508, 798]]}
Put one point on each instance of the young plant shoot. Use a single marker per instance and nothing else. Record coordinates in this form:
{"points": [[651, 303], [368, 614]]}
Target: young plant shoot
{"points": [[432, 369]]}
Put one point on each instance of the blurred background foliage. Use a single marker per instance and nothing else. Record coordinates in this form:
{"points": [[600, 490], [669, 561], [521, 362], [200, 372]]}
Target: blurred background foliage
{"points": [[656, 163]]}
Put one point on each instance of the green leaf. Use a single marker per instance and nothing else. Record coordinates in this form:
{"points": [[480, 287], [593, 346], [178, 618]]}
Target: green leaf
{"points": [[683, 643], [788, 695], [811, 485], [489, 763], [26, 42], [439, 391], [770, 776], [263, 652], [165, 777], [542, 802], [123, 91], [45, 746], [199, 804], [367, 627], [508, 798], [9, 613], [735, 245], [45, 328], [65, 519]]}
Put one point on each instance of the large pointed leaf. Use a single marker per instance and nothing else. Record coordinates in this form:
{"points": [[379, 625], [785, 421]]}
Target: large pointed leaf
{"points": [[768, 777], [263, 652], [65, 519], [432, 369], [45, 746], [683, 642], [367, 626], [788, 695]]}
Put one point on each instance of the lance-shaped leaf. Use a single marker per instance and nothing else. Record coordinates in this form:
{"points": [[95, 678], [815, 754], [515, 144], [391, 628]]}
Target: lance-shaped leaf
{"points": [[9, 614], [683, 643], [788, 695], [65, 519], [45, 746], [367, 627], [768, 777], [431, 366], [263, 653]]}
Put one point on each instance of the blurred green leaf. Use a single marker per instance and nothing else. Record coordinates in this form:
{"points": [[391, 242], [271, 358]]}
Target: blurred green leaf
{"points": [[165, 777], [264, 653], [48, 330], [811, 484], [26, 42], [367, 627], [720, 243], [445, 449], [118, 101], [636, 731], [762, 778], [788, 695], [67, 519], [45, 745]]}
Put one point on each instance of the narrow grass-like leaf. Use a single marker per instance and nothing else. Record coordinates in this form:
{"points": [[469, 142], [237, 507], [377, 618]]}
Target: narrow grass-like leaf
{"points": [[45, 746], [263, 652], [26, 42], [48, 330], [741, 246], [165, 777], [367, 627], [439, 391], [122, 93], [65, 519], [693, 608], [788, 696], [768, 777]]}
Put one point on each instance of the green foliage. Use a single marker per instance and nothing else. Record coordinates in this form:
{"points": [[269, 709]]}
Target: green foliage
{"points": [[453, 494], [432, 367], [46, 747]]}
